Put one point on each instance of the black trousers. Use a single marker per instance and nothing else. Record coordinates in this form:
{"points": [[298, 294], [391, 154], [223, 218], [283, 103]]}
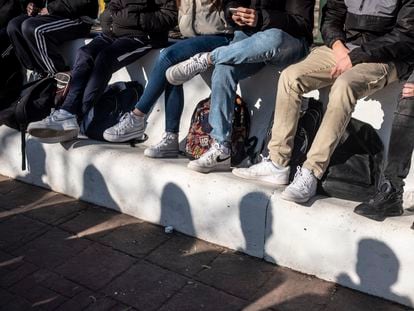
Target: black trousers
{"points": [[401, 142], [95, 63], [36, 40]]}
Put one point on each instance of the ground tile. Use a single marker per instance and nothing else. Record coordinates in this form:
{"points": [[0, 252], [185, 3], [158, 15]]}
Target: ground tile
{"points": [[237, 274], [79, 302], [95, 266], [93, 223], [136, 239], [9, 278], [185, 255], [24, 195], [287, 290], [196, 296], [17, 304], [18, 230], [9, 262], [5, 297], [145, 286], [350, 300], [52, 248]]}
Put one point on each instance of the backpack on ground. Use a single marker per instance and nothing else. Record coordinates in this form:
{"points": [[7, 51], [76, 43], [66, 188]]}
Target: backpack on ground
{"points": [[355, 167], [118, 99], [198, 138], [34, 104]]}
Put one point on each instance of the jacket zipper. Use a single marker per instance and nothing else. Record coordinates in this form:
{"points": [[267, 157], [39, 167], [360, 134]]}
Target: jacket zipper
{"points": [[362, 5]]}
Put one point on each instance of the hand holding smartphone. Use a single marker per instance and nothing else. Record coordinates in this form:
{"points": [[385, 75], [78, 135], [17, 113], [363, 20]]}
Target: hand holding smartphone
{"points": [[233, 10]]}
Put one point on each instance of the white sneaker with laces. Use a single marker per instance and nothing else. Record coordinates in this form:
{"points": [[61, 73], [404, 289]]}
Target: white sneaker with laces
{"points": [[186, 70], [58, 127], [217, 158], [266, 171], [166, 148], [129, 127], [302, 188]]}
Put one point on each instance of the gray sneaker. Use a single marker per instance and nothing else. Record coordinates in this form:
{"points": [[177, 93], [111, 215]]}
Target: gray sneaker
{"points": [[302, 188], [166, 148], [58, 127], [129, 127], [265, 171], [186, 70], [217, 158]]}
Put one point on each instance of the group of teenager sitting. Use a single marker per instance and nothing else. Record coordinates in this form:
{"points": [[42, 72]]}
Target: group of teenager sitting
{"points": [[367, 46]]}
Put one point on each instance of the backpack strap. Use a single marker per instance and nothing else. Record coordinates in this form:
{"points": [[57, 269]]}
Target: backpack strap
{"points": [[23, 145]]}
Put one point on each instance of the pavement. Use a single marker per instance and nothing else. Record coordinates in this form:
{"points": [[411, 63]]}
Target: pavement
{"points": [[58, 253]]}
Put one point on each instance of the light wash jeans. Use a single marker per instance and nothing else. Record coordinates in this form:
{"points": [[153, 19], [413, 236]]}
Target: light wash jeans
{"points": [[245, 56]]}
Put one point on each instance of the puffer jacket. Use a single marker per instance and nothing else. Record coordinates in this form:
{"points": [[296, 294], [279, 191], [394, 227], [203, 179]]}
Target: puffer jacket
{"points": [[73, 8], [292, 16], [143, 18], [202, 17], [382, 30], [8, 10]]}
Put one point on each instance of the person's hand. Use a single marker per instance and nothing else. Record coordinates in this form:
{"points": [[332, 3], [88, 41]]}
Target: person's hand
{"points": [[44, 11], [31, 9], [343, 61], [245, 17], [408, 90]]}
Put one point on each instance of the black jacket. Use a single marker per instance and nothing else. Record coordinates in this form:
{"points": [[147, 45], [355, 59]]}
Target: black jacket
{"points": [[383, 32], [143, 18], [73, 8], [292, 16], [8, 10]]}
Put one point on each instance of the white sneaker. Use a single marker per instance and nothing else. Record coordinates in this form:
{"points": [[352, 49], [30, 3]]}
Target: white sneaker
{"points": [[58, 127], [302, 188], [217, 158], [129, 127], [166, 148], [266, 171], [186, 70]]}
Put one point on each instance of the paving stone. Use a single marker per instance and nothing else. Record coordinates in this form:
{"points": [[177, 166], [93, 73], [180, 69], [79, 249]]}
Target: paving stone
{"points": [[237, 274], [93, 223], [103, 304], [23, 195], [5, 297], [145, 286], [18, 230], [18, 304], [136, 239], [79, 302], [350, 300], [37, 295], [7, 184], [289, 290], [95, 266], [9, 278], [9, 262], [52, 248], [197, 296], [185, 255]]}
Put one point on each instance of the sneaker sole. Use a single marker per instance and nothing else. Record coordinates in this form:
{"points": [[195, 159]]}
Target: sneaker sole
{"points": [[169, 154], [294, 199], [270, 180], [381, 217], [52, 136], [217, 168], [124, 138]]}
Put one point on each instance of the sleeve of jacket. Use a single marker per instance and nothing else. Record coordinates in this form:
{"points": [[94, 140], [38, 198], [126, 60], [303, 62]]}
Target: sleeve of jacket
{"points": [[73, 8], [162, 18], [128, 17], [296, 20], [333, 21], [398, 44]]}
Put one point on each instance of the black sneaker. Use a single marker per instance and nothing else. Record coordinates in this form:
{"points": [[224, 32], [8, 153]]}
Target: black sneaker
{"points": [[385, 203]]}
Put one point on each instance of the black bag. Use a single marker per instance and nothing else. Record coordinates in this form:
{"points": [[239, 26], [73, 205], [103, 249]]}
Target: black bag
{"points": [[355, 167], [11, 78], [198, 139], [34, 104], [118, 99]]}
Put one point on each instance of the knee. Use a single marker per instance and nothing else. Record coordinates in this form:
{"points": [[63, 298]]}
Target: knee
{"points": [[105, 59], [14, 26], [293, 78], [28, 28]]}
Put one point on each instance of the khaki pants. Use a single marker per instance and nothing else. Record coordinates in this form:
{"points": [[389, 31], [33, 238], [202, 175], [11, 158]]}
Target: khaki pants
{"points": [[314, 73]]}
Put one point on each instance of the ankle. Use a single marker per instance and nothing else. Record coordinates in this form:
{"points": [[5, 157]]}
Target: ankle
{"points": [[138, 113]]}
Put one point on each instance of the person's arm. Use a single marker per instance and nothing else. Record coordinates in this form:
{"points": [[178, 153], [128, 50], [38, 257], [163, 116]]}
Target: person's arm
{"points": [[398, 44], [162, 18], [333, 21], [73, 8]]}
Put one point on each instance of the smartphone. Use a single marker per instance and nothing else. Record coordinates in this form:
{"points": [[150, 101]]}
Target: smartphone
{"points": [[233, 10]]}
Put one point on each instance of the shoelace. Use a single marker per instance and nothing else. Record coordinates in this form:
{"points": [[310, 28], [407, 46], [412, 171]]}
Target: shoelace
{"points": [[123, 123], [166, 139], [300, 181], [378, 197], [195, 64]]}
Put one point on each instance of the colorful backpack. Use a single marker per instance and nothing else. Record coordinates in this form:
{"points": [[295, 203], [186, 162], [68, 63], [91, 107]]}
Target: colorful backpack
{"points": [[199, 140]]}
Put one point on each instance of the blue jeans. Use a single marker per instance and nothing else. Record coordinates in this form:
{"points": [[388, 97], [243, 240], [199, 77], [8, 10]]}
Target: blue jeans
{"points": [[157, 83], [245, 56]]}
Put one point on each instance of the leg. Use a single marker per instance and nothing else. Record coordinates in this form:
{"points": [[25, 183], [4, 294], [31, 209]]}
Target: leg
{"points": [[84, 64], [311, 73], [361, 80], [21, 49], [45, 33]]}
